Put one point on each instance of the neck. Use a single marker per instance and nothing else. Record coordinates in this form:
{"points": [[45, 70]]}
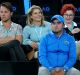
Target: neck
{"points": [[37, 23], [69, 24], [7, 24]]}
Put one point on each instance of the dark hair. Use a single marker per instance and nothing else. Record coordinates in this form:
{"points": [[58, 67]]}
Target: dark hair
{"points": [[68, 7], [7, 5]]}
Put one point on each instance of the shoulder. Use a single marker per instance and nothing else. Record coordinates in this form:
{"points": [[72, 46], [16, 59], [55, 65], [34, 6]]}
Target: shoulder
{"points": [[46, 23], [16, 25], [27, 27], [48, 35]]}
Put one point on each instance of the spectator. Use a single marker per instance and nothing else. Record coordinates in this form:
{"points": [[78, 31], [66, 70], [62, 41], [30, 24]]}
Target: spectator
{"points": [[36, 28], [68, 12], [9, 31], [57, 51]]}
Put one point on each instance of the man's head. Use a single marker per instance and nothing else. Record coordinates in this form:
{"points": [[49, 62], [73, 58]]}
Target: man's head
{"points": [[57, 23], [5, 11]]}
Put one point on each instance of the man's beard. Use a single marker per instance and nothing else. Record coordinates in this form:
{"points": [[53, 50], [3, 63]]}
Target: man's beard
{"points": [[5, 20], [57, 32]]}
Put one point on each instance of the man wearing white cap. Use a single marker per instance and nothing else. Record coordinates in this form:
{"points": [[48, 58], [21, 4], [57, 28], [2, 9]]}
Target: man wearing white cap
{"points": [[57, 51]]}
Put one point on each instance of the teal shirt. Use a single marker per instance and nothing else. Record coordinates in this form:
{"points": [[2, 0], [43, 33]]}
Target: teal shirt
{"points": [[34, 33]]}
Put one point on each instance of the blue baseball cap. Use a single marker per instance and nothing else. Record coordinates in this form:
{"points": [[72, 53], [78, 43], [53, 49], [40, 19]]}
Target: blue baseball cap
{"points": [[58, 17]]}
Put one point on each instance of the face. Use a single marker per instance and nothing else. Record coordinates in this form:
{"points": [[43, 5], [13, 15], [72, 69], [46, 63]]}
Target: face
{"points": [[36, 15], [5, 14], [57, 26], [68, 16]]}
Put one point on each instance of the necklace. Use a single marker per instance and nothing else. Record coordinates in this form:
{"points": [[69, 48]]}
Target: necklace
{"points": [[38, 33]]}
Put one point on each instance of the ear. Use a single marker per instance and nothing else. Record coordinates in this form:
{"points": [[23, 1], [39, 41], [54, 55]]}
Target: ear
{"points": [[11, 13], [63, 25]]}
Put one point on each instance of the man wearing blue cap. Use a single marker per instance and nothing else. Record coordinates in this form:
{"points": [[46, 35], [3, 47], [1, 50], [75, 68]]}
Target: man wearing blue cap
{"points": [[57, 51]]}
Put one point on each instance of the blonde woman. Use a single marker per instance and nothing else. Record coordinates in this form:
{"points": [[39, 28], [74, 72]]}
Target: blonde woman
{"points": [[36, 27]]}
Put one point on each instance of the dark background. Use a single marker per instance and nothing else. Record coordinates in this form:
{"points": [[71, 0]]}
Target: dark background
{"points": [[49, 7]]}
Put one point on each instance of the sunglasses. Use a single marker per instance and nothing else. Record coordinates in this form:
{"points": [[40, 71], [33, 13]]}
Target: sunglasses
{"points": [[70, 15]]}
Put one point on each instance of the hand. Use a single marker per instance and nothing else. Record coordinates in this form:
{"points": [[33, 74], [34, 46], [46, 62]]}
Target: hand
{"points": [[34, 45], [12, 37], [61, 72], [53, 73], [76, 30]]}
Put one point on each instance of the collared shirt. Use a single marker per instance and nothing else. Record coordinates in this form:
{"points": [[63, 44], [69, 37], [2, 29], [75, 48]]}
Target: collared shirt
{"points": [[15, 29], [57, 51], [74, 23]]}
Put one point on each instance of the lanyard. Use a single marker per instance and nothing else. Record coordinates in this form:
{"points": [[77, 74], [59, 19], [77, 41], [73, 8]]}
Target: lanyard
{"points": [[38, 33]]}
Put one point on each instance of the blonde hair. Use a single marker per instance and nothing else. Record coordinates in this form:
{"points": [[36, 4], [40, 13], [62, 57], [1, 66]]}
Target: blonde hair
{"points": [[30, 11]]}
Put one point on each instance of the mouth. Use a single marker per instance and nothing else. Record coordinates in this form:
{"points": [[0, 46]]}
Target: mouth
{"points": [[38, 17], [68, 19]]}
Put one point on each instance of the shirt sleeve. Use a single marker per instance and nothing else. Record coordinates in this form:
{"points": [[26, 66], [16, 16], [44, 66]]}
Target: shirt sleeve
{"points": [[42, 54], [19, 30], [26, 36], [72, 55]]}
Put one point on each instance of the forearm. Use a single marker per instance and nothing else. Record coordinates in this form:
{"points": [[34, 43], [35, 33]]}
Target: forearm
{"points": [[44, 62], [19, 38], [71, 61], [27, 41], [5, 39]]}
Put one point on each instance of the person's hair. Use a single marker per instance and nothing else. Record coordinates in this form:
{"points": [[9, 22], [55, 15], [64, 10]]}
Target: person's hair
{"points": [[7, 5], [30, 11], [66, 7]]}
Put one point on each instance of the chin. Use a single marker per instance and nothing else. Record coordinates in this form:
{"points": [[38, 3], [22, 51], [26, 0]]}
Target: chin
{"points": [[55, 31], [38, 19], [68, 21], [4, 20]]}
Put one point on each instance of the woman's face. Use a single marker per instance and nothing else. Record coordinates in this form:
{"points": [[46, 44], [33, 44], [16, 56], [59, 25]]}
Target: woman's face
{"points": [[68, 16], [36, 15]]}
